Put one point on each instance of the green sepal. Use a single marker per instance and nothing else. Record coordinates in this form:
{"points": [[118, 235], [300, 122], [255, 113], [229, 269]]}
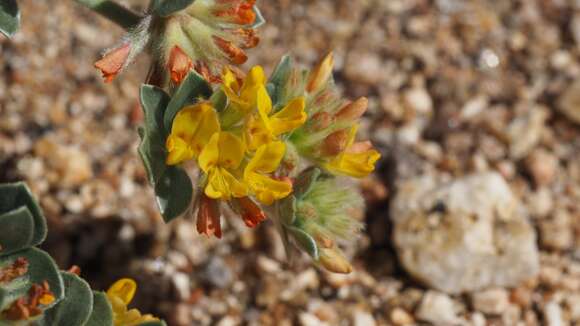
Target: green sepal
{"points": [[305, 241], [17, 230], [165, 8], [16, 195], [102, 314], [287, 210], [305, 181], [219, 100], [259, 18], [76, 306], [174, 192], [154, 101], [278, 79], [192, 88], [41, 268], [9, 17]]}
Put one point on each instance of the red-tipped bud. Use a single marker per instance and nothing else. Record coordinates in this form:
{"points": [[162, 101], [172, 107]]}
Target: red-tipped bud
{"points": [[248, 37], [208, 217], [320, 75], [202, 69], [354, 110], [251, 212], [113, 62], [319, 121], [335, 143], [234, 53], [179, 64], [238, 11]]}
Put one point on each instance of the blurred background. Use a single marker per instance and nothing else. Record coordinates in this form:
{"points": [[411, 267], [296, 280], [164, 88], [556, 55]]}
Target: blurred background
{"points": [[473, 214]]}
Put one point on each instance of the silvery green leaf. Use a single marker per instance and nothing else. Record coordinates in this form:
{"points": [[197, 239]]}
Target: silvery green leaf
{"points": [[9, 17]]}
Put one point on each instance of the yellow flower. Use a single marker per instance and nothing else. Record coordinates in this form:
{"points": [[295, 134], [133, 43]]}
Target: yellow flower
{"points": [[266, 160], [357, 160], [263, 128], [219, 159], [192, 128], [120, 295], [243, 97]]}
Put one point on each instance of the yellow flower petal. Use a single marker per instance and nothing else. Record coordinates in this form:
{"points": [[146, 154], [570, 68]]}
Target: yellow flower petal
{"points": [[267, 158], [178, 150], [289, 118], [266, 189], [253, 80], [208, 125], [209, 156], [223, 185], [123, 289], [356, 165], [231, 150], [264, 104]]}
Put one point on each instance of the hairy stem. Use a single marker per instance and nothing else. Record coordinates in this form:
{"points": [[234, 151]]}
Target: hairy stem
{"points": [[114, 12]]}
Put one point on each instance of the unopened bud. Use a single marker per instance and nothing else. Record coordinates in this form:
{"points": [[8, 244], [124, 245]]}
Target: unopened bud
{"points": [[320, 75], [234, 53], [179, 64], [334, 261], [319, 121], [354, 110], [334, 143], [113, 62]]}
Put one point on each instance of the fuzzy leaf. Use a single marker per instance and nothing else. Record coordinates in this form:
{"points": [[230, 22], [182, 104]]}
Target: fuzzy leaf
{"points": [[259, 18], [305, 181], [174, 193], [165, 8], [17, 230], [152, 148], [76, 306], [41, 268], [190, 91], [9, 17], [102, 314], [278, 80], [287, 210], [15, 195], [305, 241]]}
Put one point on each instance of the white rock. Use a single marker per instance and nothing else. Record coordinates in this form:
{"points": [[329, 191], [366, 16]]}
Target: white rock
{"points": [[437, 308], [463, 235], [363, 318], [308, 319], [525, 131], [491, 302], [553, 314]]}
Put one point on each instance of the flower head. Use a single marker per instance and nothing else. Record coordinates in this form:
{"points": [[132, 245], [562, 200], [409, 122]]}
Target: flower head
{"points": [[212, 34], [120, 294], [356, 160]]}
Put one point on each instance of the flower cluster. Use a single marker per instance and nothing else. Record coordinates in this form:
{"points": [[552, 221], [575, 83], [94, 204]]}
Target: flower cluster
{"points": [[207, 36], [238, 148]]}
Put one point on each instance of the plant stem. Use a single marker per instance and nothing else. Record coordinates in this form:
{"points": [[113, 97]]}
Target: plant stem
{"points": [[114, 12]]}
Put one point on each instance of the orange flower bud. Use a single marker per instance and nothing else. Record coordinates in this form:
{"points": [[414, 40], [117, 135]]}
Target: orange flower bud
{"points": [[17, 269], [319, 121], [251, 213], [179, 64], [208, 217], [334, 261], [202, 69], [248, 37], [320, 75], [240, 12], [335, 143], [354, 110], [360, 147], [236, 55], [113, 62]]}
